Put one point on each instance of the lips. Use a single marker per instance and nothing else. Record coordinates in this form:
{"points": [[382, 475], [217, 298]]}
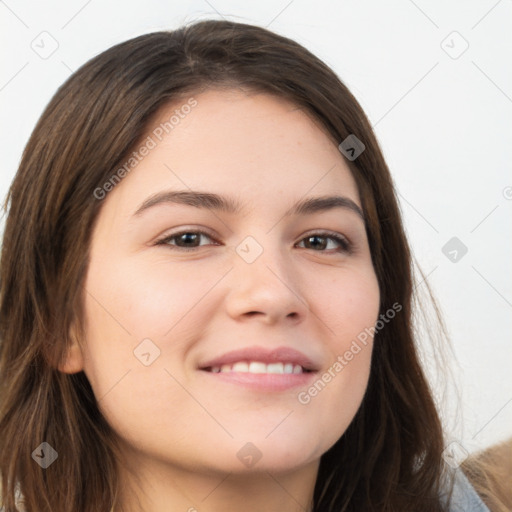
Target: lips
{"points": [[231, 361]]}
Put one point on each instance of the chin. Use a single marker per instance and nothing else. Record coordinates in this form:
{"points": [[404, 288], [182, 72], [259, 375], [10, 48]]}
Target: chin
{"points": [[279, 455]]}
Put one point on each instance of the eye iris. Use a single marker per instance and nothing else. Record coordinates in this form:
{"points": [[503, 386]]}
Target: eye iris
{"points": [[188, 237], [316, 237]]}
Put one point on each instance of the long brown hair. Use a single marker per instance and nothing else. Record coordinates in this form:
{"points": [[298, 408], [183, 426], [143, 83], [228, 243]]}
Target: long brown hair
{"points": [[389, 458]]}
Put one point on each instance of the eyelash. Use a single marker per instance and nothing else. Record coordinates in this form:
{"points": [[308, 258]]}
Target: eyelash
{"points": [[345, 245]]}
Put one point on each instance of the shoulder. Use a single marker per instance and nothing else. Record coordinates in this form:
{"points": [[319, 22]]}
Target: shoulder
{"points": [[490, 473], [464, 497]]}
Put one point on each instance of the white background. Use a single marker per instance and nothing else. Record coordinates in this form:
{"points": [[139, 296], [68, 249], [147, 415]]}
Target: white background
{"points": [[441, 116]]}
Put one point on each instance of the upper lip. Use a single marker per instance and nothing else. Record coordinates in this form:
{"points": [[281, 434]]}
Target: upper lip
{"points": [[262, 355]]}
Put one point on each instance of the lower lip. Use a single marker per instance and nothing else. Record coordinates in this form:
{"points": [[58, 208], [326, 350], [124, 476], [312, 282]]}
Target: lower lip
{"points": [[264, 381]]}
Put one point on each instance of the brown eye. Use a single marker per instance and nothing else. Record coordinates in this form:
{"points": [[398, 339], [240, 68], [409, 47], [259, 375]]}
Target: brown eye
{"points": [[184, 240], [320, 241]]}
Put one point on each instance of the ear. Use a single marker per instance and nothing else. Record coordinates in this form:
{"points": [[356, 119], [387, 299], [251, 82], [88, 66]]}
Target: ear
{"points": [[74, 359]]}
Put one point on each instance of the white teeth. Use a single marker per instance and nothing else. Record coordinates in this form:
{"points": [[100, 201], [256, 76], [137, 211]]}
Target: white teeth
{"points": [[288, 368], [275, 368], [258, 367], [241, 367]]}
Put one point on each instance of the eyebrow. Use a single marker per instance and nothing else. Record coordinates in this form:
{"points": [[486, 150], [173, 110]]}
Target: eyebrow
{"points": [[231, 206]]}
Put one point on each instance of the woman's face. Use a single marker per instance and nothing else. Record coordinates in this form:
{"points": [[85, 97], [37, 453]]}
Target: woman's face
{"points": [[262, 292]]}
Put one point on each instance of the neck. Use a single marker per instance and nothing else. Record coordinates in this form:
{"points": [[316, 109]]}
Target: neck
{"points": [[159, 487]]}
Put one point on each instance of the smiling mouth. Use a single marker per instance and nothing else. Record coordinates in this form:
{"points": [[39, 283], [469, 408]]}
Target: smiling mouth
{"points": [[257, 367]]}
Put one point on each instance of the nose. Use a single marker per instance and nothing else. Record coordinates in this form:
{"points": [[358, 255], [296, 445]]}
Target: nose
{"points": [[266, 289]]}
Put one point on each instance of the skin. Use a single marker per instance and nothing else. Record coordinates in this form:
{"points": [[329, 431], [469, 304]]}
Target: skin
{"points": [[182, 429]]}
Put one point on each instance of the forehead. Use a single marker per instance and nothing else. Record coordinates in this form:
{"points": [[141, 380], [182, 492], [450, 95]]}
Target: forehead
{"points": [[251, 145]]}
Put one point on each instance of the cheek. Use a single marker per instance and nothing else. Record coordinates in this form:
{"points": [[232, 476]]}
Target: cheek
{"points": [[334, 398], [126, 303], [124, 307], [351, 307], [129, 301], [151, 298], [350, 310]]}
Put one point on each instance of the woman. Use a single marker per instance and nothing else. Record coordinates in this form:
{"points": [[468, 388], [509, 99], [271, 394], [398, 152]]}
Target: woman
{"points": [[272, 367]]}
